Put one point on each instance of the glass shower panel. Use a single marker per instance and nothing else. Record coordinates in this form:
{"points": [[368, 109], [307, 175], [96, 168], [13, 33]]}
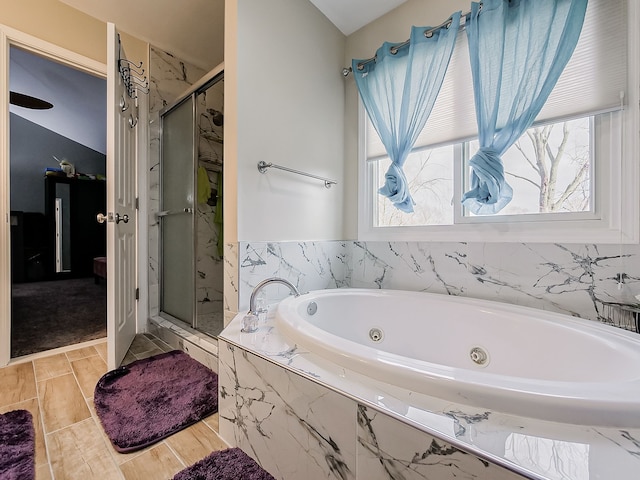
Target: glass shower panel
{"points": [[176, 215], [209, 316]]}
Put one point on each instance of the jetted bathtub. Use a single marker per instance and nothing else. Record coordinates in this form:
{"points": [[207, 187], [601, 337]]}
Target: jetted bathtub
{"points": [[485, 354]]}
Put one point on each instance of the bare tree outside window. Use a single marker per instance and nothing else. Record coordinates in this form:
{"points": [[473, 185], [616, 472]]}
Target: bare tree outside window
{"points": [[549, 168], [430, 177]]}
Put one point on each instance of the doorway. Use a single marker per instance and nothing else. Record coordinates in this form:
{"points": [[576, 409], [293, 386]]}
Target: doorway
{"points": [[57, 159]]}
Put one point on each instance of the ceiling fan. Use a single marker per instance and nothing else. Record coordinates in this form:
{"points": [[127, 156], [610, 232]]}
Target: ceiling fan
{"points": [[27, 101]]}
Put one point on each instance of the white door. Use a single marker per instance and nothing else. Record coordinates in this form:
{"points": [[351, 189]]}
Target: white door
{"points": [[121, 206]]}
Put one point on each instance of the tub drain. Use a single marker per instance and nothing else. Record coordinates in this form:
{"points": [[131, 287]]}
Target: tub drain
{"points": [[376, 335]]}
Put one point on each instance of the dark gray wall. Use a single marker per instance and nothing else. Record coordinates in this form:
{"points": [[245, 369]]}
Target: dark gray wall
{"points": [[32, 150]]}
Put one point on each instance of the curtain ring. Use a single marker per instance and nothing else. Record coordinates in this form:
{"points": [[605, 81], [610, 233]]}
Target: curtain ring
{"points": [[393, 50]]}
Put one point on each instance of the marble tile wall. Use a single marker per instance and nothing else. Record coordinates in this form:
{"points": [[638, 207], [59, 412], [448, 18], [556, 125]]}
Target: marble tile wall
{"points": [[574, 279], [308, 265], [231, 282], [209, 252]]}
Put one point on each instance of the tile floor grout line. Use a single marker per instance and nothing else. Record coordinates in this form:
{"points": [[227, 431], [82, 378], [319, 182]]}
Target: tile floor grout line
{"points": [[106, 443], [41, 420], [175, 453]]}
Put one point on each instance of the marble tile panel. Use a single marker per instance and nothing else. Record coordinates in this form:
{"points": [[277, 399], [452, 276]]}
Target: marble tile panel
{"points": [[308, 265], [292, 427], [574, 279], [389, 449], [231, 279]]}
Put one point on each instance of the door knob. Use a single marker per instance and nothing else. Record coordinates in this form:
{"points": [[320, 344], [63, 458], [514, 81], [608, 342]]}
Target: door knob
{"points": [[101, 217], [124, 218]]}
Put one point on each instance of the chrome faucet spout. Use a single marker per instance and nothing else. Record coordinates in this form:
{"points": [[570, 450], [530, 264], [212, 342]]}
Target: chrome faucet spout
{"points": [[264, 283]]}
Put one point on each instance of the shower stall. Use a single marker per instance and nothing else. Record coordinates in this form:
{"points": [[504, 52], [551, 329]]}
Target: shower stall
{"points": [[190, 216]]}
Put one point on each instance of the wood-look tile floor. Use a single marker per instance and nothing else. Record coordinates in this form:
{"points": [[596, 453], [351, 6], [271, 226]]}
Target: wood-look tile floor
{"points": [[70, 443]]}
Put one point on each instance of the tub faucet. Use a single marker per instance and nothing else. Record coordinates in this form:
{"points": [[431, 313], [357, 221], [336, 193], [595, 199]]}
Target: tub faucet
{"points": [[251, 319], [264, 283]]}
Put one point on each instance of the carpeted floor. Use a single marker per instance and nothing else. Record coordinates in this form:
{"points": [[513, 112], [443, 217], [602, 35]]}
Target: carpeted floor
{"points": [[47, 315]]}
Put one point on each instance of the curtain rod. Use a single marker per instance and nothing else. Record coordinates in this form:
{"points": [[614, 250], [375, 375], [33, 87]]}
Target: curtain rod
{"points": [[427, 33]]}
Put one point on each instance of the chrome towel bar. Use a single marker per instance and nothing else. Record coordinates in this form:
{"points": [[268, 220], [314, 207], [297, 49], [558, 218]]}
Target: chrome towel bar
{"points": [[263, 166]]}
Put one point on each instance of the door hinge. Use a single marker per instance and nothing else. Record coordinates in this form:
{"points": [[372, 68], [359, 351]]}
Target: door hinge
{"points": [[137, 203], [137, 294]]}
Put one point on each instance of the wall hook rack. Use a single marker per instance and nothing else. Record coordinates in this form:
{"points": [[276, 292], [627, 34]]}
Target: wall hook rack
{"points": [[132, 75], [263, 166]]}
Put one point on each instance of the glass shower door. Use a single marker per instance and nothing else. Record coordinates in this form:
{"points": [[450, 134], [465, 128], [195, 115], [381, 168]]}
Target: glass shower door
{"points": [[176, 216]]}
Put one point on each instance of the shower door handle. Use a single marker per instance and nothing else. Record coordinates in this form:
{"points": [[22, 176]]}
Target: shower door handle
{"points": [[164, 213]]}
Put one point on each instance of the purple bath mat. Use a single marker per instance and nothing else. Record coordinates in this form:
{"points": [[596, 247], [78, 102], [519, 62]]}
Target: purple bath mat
{"points": [[17, 446], [148, 400], [229, 464]]}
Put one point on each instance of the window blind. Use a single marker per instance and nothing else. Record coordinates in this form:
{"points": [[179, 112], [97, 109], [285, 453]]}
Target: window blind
{"points": [[591, 82]]}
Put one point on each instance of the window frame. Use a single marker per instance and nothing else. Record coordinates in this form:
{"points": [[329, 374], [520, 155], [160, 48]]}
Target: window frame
{"points": [[616, 217]]}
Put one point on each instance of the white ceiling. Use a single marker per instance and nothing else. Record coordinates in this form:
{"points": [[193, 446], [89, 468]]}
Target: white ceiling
{"points": [[190, 29], [351, 15], [194, 29]]}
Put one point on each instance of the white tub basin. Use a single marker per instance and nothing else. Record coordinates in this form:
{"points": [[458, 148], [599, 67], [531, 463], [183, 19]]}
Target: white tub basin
{"points": [[485, 354]]}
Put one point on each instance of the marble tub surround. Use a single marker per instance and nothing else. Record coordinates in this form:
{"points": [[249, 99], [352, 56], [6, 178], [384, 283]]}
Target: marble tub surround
{"points": [[387, 448], [531, 448], [294, 429], [574, 279]]}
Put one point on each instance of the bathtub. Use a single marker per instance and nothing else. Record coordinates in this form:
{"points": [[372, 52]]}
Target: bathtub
{"points": [[484, 354]]}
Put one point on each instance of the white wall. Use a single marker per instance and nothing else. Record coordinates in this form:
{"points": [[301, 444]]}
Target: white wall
{"points": [[393, 27], [284, 103]]}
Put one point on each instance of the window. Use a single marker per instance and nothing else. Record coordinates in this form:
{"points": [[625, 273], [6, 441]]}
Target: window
{"points": [[572, 173]]}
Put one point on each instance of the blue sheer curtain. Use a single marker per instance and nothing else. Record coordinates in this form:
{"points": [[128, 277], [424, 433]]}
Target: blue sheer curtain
{"points": [[398, 91], [518, 49]]}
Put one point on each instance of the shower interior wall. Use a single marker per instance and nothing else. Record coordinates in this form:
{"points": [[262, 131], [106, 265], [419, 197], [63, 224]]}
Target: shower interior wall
{"points": [[209, 265]]}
